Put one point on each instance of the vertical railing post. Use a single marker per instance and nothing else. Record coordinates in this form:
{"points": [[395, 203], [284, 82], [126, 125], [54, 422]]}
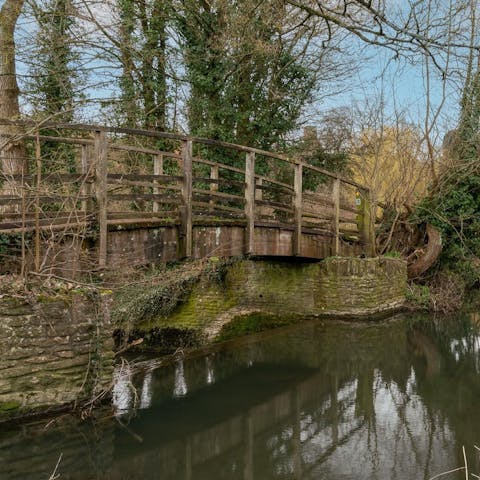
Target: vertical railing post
{"points": [[297, 209], [38, 184], [157, 170], [250, 202], [214, 185], [86, 171], [336, 217], [365, 222], [101, 170], [186, 211]]}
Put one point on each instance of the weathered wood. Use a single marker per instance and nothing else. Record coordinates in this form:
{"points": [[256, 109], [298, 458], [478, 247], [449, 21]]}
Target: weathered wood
{"points": [[336, 217], [429, 254], [365, 221], [38, 164], [186, 235], [7, 200], [139, 197], [267, 183], [297, 207], [213, 195], [262, 197], [157, 170], [52, 177], [138, 183], [259, 189], [219, 181], [219, 165], [143, 215], [218, 206], [153, 178], [86, 170], [250, 202], [101, 170], [64, 140], [276, 205], [214, 170]]}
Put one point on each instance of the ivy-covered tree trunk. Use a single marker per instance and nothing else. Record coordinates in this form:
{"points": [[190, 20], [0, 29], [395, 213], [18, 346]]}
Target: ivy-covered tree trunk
{"points": [[12, 153], [55, 69], [247, 70], [54, 77], [143, 45]]}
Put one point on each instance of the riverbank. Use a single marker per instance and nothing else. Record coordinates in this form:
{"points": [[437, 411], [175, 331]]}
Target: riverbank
{"points": [[62, 337]]}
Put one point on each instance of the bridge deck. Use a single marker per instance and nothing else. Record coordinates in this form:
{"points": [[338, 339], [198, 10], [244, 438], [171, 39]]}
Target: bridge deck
{"points": [[90, 181]]}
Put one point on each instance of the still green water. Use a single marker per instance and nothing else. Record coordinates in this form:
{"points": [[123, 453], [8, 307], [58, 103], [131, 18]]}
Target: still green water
{"points": [[321, 400]]}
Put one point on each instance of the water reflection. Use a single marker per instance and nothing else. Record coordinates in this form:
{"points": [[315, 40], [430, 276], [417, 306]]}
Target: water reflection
{"points": [[323, 400], [180, 389]]}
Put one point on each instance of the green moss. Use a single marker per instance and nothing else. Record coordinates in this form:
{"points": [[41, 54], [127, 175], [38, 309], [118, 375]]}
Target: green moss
{"points": [[253, 323], [173, 301], [7, 407]]}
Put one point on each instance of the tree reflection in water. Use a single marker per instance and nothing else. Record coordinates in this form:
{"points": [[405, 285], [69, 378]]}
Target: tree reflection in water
{"points": [[332, 400]]}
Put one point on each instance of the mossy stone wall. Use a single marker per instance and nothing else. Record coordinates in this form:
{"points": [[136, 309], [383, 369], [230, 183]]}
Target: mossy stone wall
{"points": [[348, 287], [53, 352]]}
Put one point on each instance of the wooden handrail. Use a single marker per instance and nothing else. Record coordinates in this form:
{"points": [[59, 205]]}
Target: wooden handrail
{"points": [[219, 187]]}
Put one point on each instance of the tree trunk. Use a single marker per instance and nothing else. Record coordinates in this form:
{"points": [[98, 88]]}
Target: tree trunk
{"points": [[430, 255], [12, 153]]}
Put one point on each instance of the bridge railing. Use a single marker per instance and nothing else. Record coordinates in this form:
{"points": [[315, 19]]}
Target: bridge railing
{"points": [[92, 178]]}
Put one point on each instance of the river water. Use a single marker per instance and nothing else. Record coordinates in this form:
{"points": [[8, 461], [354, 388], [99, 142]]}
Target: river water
{"points": [[320, 400]]}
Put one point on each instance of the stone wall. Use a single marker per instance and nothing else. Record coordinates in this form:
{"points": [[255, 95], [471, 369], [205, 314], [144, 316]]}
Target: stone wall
{"points": [[346, 287], [53, 352]]}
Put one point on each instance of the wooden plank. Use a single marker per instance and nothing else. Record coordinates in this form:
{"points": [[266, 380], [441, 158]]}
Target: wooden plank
{"points": [[265, 184], [218, 195], [365, 222], [186, 211], [65, 140], [214, 176], [135, 183], [277, 205], [101, 170], [219, 165], [218, 206], [336, 217], [143, 215], [259, 189], [51, 178], [157, 170], [138, 197], [183, 138], [250, 202], [147, 177], [49, 228], [219, 181], [135, 149], [297, 207], [9, 200], [87, 167]]}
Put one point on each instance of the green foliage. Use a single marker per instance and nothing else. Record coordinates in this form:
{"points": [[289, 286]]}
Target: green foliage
{"points": [[11, 245], [392, 254], [55, 74], [455, 210], [418, 296], [454, 205], [142, 54], [247, 84], [162, 291]]}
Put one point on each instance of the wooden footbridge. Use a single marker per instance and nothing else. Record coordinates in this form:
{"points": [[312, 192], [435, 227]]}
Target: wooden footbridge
{"points": [[141, 196]]}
